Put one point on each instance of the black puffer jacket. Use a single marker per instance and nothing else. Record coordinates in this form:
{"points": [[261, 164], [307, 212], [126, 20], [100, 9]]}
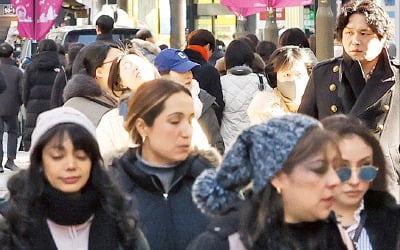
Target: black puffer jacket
{"points": [[168, 220], [37, 83], [10, 99]]}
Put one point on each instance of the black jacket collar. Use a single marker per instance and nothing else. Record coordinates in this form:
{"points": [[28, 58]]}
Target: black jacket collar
{"points": [[188, 169], [195, 56], [356, 94]]}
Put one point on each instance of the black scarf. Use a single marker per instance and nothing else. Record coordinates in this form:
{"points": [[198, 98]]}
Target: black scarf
{"points": [[67, 210]]}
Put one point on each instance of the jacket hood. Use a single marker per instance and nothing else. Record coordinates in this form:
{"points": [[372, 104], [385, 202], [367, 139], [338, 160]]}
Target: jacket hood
{"points": [[151, 47], [45, 61], [240, 70], [81, 85]]}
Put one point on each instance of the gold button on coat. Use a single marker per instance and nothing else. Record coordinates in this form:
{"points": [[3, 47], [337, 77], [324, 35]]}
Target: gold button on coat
{"points": [[379, 128], [334, 108], [332, 87], [385, 108], [335, 68]]}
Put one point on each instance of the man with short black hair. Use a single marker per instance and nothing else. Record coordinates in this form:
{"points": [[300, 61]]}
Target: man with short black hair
{"points": [[104, 28], [10, 102], [201, 45]]}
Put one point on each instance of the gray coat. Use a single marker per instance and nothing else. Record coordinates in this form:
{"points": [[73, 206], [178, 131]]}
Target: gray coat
{"points": [[10, 98], [209, 122], [336, 86], [84, 94]]}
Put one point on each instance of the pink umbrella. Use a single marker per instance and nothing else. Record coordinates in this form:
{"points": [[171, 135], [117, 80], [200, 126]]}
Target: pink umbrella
{"points": [[250, 7]]}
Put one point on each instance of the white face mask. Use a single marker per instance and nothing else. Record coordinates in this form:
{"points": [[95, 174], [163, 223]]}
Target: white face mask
{"points": [[293, 90]]}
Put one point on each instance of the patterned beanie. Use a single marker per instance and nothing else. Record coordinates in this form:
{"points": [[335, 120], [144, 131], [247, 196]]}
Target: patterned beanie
{"points": [[257, 155]]}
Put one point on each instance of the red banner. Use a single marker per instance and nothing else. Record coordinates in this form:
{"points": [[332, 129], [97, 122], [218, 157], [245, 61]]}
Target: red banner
{"points": [[36, 17]]}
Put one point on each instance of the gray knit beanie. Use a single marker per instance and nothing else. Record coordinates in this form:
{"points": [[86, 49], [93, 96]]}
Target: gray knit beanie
{"points": [[56, 116], [257, 155]]}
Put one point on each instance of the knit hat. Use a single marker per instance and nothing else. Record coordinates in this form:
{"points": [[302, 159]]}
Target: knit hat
{"points": [[257, 155], [173, 59], [56, 116]]}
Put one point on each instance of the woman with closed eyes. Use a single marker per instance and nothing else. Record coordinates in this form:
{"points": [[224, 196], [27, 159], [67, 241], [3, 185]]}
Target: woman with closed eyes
{"points": [[369, 217], [66, 199]]}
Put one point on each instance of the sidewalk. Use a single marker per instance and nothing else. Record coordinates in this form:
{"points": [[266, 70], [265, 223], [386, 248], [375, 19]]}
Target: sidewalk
{"points": [[21, 161]]}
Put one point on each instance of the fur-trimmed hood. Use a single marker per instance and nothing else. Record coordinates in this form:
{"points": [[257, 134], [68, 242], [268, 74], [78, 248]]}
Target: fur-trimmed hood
{"points": [[149, 46], [211, 154], [81, 85]]}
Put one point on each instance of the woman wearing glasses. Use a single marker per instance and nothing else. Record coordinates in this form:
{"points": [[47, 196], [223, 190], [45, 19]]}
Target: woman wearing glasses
{"points": [[288, 72], [369, 217], [88, 90]]}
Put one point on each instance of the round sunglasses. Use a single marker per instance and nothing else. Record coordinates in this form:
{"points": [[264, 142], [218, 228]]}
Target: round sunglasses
{"points": [[366, 173]]}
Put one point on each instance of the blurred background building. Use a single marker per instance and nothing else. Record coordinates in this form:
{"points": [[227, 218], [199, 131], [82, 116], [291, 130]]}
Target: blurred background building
{"points": [[156, 15]]}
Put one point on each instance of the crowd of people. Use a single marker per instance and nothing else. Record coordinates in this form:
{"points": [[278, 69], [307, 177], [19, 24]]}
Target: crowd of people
{"points": [[259, 146]]}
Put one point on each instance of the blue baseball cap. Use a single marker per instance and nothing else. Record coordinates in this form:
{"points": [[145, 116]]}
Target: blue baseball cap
{"points": [[173, 59]]}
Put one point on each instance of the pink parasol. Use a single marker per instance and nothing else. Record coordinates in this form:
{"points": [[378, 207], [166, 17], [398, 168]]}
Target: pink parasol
{"points": [[250, 7]]}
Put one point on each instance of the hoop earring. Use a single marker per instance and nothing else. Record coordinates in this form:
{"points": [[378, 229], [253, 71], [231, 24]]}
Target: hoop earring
{"points": [[143, 139], [278, 190]]}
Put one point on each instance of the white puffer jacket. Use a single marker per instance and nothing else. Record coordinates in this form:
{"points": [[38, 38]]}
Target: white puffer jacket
{"points": [[239, 87]]}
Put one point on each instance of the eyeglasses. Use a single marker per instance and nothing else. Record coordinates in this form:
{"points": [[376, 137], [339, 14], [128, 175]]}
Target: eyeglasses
{"points": [[116, 59], [366, 173]]}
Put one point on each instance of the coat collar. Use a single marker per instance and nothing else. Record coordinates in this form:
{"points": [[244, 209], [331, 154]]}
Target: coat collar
{"points": [[190, 168], [366, 94], [81, 85]]}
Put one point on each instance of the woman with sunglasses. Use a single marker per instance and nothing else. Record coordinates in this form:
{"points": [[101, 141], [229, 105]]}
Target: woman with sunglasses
{"points": [[288, 72], [369, 217]]}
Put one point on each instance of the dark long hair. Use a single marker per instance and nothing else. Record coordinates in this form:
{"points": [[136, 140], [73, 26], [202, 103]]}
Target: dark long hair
{"points": [[346, 126], [262, 221], [26, 188]]}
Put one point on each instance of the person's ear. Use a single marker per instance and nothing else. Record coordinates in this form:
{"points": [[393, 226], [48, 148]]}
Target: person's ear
{"points": [[141, 127], [208, 48], [278, 182], [99, 72]]}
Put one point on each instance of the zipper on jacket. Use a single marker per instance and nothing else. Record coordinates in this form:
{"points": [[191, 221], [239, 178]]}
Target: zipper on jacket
{"points": [[165, 195]]}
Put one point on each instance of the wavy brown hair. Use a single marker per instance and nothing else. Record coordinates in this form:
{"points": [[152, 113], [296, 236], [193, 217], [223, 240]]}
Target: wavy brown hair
{"points": [[376, 17]]}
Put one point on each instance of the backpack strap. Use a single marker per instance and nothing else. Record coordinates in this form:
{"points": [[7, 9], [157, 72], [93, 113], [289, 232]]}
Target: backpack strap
{"points": [[261, 85]]}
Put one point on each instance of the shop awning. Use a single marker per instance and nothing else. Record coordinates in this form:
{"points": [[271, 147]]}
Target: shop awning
{"points": [[72, 6]]}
